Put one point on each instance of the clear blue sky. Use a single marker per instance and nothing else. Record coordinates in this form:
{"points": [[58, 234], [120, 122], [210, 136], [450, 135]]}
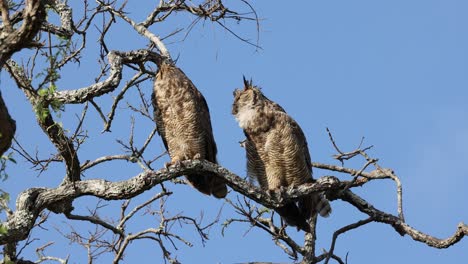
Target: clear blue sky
{"points": [[394, 72]]}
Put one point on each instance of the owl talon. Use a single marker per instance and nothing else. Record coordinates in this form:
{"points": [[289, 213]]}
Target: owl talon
{"points": [[174, 162], [271, 193], [197, 156], [178, 164]]}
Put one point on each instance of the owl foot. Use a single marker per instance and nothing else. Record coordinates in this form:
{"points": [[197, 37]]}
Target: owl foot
{"points": [[174, 162], [197, 156], [271, 193], [274, 193]]}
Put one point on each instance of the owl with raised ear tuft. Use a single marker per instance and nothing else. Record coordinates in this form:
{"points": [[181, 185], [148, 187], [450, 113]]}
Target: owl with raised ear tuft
{"points": [[277, 153], [183, 122]]}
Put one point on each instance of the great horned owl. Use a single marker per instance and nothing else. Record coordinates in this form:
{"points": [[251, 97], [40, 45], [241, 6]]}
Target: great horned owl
{"points": [[183, 121], [7, 127], [277, 152]]}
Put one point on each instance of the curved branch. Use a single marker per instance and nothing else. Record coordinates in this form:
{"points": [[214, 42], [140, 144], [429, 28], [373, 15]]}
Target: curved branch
{"points": [[401, 227], [116, 60], [52, 129], [32, 201], [12, 41], [344, 230], [95, 220], [375, 174], [65, 29], [89, 164], [141, 30]]}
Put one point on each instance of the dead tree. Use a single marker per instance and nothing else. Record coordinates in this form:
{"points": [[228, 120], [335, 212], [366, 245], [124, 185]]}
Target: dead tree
{"points": [[54, 45]]}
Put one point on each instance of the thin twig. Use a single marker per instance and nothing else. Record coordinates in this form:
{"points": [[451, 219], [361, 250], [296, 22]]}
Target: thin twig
{"points": [[343, 230]]}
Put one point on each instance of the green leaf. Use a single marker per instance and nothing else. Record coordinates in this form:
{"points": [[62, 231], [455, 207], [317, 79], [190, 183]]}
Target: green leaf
{"points": [[42, 92], [5, 196], [3, 229], [52, 88]]}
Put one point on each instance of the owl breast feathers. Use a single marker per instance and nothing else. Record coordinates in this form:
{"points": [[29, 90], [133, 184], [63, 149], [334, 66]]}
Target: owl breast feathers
{"points": [[183, 121], [277, 153]]}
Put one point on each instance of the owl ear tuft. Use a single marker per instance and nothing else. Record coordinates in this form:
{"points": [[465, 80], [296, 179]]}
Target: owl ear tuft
{"points": [[246, 83]]}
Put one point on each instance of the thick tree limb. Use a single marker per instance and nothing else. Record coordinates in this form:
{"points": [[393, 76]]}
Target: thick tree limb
{"points": [[32, 201], [309, 241], [53, 130], [65, 29], [12, 41], [116, 60]]}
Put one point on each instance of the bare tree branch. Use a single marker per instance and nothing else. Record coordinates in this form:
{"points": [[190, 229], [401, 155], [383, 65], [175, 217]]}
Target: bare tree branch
{"points": [[20, 27], [32, 201], [401, 227], [141, 30], [12, 41], [52, 129], [343, 230], [116, 60]]}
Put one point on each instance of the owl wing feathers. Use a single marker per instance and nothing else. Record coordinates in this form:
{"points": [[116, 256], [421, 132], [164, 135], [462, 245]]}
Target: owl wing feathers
{"points": [[210, 146], [255, 165], [315, 202], [302, 142], [183, 122], [159, 121], [265, 158], [277, 153], [218, 187]]}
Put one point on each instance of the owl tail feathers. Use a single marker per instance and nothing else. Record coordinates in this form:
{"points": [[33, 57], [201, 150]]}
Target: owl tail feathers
{"points": [[200, 183], [293, 216], [218, 187], [207, 184], [315, 203], [323, 207]]}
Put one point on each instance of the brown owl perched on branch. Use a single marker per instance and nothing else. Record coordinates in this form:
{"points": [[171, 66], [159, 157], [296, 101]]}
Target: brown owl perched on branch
{"points": [[277, 153], [183, 121]]}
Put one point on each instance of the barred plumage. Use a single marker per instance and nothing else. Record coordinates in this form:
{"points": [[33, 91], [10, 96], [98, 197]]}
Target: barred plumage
{"points": [[183, 121], [277, 152]]}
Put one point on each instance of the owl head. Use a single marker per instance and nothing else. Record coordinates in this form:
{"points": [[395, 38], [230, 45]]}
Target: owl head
{"points": [[247, 98]]}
